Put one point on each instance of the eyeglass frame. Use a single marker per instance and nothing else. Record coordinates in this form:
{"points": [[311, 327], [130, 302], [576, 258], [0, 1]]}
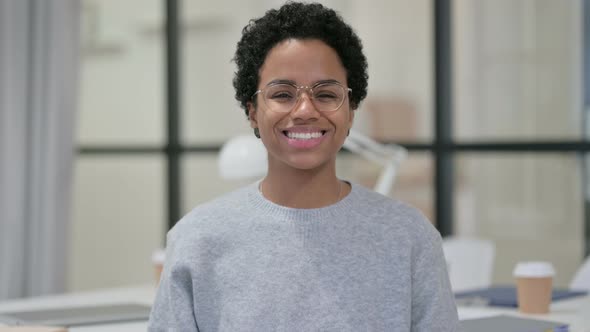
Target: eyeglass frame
{"points": [[310, 93]]}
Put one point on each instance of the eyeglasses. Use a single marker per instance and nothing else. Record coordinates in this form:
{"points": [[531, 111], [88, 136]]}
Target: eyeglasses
{"points": [[282, 97]]}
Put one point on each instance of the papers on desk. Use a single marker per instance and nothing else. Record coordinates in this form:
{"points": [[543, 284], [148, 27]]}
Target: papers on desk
{"points": [[32, 329], [506, 323], [76, 316], [505, 296]]}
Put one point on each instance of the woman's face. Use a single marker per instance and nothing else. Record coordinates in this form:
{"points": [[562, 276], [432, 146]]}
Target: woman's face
{"points": [[303, 138]]}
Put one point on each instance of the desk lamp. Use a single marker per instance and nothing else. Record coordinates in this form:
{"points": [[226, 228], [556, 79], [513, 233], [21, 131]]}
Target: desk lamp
{"points": [[246, 157], [242, 157], [390, 156]]}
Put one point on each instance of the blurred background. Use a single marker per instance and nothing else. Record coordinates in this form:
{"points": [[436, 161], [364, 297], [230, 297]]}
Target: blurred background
{"points": [[493, 111]]}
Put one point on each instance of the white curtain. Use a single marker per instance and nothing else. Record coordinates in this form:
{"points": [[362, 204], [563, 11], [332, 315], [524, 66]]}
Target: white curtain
{"points": [[38, 90]]}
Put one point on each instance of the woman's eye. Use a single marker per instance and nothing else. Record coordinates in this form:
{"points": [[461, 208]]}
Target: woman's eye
{"points": [[283, 95], [325, 96]]}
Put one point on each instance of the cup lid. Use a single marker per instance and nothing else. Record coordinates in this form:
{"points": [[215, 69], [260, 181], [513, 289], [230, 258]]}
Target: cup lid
{"points": [[536, 269]]}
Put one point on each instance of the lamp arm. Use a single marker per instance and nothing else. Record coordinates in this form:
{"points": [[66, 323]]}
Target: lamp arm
{"points": [[389, 156], [386, 179]]}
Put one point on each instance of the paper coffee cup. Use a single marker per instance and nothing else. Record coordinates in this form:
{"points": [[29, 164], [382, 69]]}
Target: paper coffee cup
{"points": [[158, 258], [534, 284]]}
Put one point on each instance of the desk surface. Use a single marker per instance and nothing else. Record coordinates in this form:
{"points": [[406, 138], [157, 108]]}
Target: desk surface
{"points": [[142, 294], [575, 311]]}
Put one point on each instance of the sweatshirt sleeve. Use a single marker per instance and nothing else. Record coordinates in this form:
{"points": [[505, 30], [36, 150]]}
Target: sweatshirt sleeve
{"points": [[173, 305], [433, 302]]}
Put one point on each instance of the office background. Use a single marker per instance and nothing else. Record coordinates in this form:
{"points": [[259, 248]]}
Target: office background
{"points": [[494, 114]]}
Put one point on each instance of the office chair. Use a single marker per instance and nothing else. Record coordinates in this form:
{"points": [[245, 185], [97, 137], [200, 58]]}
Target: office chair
{"points": [[581, 279], [470, 262]]}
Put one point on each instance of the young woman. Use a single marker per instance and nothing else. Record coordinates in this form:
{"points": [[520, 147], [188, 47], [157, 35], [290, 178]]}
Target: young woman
{"points": [[302, 250]]}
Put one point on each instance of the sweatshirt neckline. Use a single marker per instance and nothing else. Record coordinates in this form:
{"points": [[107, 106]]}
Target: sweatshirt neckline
{"points": [[264, 206]]}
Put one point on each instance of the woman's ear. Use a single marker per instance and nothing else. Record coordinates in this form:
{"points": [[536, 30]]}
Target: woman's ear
{"points": [[252, 115], [351, 119]]}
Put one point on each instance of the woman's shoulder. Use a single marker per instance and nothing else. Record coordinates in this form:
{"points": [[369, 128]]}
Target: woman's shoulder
{"points": [[213, 214], [379, 204], [394, 213]]}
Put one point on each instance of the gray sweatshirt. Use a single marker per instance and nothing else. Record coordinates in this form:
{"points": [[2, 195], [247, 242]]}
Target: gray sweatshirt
{"points": [[243, 263]]}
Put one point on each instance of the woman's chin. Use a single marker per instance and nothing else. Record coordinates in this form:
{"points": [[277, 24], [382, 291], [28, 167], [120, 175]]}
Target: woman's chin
{"points": [[308, 164]]}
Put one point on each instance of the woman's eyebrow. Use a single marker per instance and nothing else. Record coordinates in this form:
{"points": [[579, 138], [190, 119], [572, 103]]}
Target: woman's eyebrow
{"points": [[325, 81], [281, 81]]}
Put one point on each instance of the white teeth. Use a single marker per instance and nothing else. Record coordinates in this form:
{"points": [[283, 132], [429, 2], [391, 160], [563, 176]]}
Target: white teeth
{"points": [[304, 136]]}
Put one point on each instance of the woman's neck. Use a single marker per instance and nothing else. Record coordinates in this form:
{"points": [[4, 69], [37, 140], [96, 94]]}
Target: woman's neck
{"points": [[303, 189]]}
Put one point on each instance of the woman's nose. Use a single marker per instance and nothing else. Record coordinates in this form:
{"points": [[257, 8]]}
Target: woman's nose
{"points": [[305, 107]]}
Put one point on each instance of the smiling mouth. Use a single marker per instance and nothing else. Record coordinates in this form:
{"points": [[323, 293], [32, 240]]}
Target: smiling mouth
{"points": [[304, 136]]}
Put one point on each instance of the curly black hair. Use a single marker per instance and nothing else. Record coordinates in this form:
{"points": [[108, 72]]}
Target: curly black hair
{"points": [[298, 21]]}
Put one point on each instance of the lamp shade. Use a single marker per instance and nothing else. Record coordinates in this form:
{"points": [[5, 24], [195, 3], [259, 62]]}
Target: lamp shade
{"points": [[242, 157]]}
